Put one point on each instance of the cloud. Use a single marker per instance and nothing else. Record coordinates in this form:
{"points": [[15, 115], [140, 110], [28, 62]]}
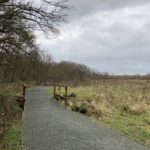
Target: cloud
{"points": [[83, 8], [109, 36]]}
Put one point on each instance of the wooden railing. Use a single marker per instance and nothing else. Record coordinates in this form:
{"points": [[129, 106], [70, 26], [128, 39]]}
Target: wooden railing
{"points": [[24, 91], [21, 99], [57, 93]]}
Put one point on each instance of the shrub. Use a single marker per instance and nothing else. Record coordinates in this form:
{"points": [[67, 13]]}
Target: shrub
{"points": [[72, 95], [76, 106], [84, 108], [95, 112], [138, 109], [125, 108]]}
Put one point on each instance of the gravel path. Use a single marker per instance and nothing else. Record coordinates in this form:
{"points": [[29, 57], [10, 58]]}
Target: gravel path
{"points": [[49, 126]]}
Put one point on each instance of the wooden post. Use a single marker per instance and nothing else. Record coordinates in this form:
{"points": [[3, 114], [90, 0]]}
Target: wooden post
{"points": [[54, 91], [66, 91], [66, 95], [24, 90], [59, 88], [24, 93], [58, 95]]}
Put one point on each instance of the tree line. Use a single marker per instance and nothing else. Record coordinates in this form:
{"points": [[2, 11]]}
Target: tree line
{"points": [[40, 67], [20, 58]]}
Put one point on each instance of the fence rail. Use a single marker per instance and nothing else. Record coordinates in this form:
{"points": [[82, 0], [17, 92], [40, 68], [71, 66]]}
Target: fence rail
{"points": [[58, 95], [21, 99]]}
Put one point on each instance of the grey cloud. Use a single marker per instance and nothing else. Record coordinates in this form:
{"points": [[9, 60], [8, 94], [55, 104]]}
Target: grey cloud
{"points": [[116, 42], [84, 7]]}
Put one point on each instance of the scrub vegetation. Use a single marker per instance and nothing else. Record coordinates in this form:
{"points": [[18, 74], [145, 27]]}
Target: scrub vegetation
{"points": [[10, 116], [123, 105], [11, 109], [21, 59]]}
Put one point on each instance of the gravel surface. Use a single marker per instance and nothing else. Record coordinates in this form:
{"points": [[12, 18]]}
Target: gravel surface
{"points": [[49, 126]]}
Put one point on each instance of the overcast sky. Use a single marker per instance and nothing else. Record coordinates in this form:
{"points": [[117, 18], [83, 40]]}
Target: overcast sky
{"points": [[107, 35]]}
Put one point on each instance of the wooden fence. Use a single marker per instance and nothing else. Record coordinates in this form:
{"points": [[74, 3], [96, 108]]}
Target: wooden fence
{"points": [[21, 99], [57, 93]]}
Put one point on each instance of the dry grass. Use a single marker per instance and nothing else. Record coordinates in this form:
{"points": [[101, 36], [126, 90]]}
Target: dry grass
{"points": [[121, 104], [10, 116]]}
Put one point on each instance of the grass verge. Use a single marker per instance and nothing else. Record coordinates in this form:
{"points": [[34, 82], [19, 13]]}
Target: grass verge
{"points": [[123, 105], [10, 116], [12, 138]]}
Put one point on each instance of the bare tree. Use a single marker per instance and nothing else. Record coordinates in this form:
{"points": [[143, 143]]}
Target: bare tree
{"points": [[19, 20]]}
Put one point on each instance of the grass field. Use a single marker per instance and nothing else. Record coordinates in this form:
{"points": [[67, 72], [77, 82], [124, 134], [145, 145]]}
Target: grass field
{"points": [[123, 105], [10, 117]]}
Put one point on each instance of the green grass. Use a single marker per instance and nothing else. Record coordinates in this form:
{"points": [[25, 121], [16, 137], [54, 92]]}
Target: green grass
{"points": [[12, 138], [51, 90], [136, 127], [123, 105], [10, 116]]}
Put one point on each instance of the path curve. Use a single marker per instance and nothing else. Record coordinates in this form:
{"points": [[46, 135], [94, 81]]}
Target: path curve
{"points": [[49, 126]]}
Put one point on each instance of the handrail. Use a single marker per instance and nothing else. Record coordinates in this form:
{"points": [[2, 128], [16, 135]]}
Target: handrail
{"points": [[56, 95], [23, 93]]}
